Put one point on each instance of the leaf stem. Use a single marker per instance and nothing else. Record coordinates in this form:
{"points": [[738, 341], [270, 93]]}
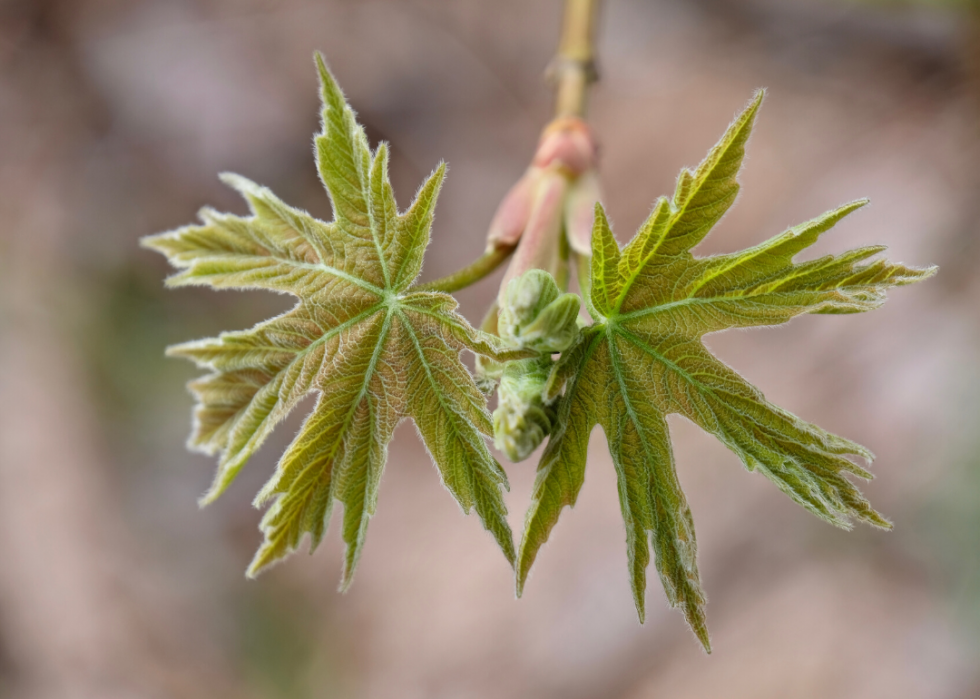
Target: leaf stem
{"points": [[471, 273], [573, 68]]}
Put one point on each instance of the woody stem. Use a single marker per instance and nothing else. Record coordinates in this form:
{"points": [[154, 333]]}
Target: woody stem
{"points": [[573, 68]]}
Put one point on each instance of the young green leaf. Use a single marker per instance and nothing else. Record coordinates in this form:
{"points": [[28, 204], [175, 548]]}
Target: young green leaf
{"points": [[643, 359], [374, 350]]}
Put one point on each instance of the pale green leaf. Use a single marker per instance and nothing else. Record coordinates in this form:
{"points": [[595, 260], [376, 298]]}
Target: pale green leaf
{"points": [[373, 350], [643, 359]]}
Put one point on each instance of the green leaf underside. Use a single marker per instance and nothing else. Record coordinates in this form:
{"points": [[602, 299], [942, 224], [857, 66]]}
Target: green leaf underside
{"points": [[374, 351], [643, 359]]}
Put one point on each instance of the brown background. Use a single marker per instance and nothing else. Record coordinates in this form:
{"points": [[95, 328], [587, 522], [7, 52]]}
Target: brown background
{"points": [[115, 118]]}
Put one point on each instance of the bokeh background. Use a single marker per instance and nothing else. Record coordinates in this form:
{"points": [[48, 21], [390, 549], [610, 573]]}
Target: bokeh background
{"points": [[115, 118]]}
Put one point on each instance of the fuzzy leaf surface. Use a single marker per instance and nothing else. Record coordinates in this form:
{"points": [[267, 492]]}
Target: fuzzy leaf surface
{"points": [[643, 359], [373, 350]]}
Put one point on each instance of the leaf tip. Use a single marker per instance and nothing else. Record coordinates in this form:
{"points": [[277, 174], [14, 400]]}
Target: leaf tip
{"points": [[242, 185], [152, 242], [268, 491], [758, 97], [875, 519], [746, 118], [321, 66], [274, 550], [745, 121], [346, 578], [505, 541], [263, 559], [329, 89], [213, 493], [228, 467], [641, 610], [849, 208], [181, 351], [521, 579]]}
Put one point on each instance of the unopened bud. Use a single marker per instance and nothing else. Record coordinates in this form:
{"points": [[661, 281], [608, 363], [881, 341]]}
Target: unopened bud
{"points": [[559, 190], [512, 215], [580, 212], [540, 242], [535, 314], [566, 142], [522, 419]]}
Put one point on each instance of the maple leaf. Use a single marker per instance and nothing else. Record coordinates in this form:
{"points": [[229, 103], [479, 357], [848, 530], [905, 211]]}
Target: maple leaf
{"points": [[643, 359], [374, 350]]}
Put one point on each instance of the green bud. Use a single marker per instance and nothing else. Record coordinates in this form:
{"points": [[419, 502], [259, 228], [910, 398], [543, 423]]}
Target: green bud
{"points": [[536, 315], [522, 419]]}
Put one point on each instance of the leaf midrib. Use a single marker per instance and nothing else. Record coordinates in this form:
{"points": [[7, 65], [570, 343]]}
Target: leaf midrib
{"points": [[432, 381], [701, 178], [614, 360], [321, 267], [317, 266], [628, 284], [707, 300], [643, 346], [687, 376], [401, 220], [246, 449], [368, 375]]}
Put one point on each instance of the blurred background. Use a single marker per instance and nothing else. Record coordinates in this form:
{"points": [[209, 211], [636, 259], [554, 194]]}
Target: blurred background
{"points": [[116, 117]]}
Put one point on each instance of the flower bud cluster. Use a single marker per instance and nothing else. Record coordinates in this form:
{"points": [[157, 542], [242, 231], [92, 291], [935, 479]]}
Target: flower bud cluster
{"points": [[522, 419], [535, 315], [546, 215]]}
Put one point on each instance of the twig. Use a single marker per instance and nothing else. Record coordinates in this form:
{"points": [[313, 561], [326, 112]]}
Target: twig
{"points": [[573, 68]]}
